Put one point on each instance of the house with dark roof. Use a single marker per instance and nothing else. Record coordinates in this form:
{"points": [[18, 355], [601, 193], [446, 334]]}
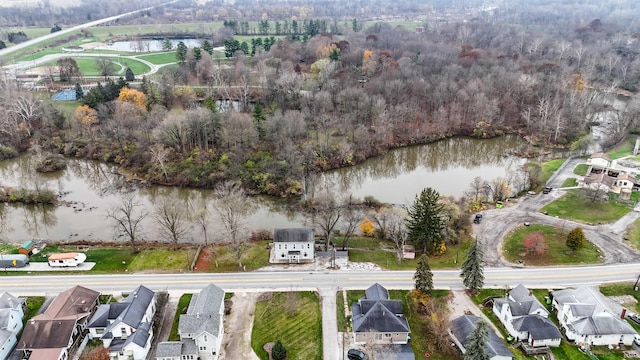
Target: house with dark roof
{"points": [[50, 335], [376, 319], [200, 329], [125, 327], [586, 318], [462, 327], [526, 319], [293, 245], [11, 314]]}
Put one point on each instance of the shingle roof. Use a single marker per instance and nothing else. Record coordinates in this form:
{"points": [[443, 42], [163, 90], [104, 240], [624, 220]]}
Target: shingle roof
{"points": [[540, 328], [379, 319], [203, 312], [45, 334], [463, 326], [8, 301], [176, 348], [70, 304], [394, 306], [293, 235], [604, 324], [130, 311], [376, 292], [525, 300]]}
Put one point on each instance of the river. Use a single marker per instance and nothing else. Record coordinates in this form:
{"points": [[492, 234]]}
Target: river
{"points": [[90, 188]]}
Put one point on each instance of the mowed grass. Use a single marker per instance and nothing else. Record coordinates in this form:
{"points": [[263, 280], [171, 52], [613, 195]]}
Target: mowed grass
{"points": [[576, 205], [254, 256], [581, 169], [549, 167], [382, 252], [106, 32], [160, 58], [557, 252], [570, 182], [633, 234], [293, 318], [622, 149], [619, 289], [163, 259], [89, 66], [183, 305], [33, 305]]}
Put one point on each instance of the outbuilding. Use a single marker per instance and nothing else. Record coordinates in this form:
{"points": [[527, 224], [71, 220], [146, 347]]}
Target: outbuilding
{"points": [[27, 248], [66, 259], [13, 260]]}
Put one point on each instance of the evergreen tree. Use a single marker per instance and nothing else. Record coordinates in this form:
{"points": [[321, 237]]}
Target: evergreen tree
{"points": [[2, 44], [258, 119], [206, 46], [475, 349], [424, 276], [335, 55], [197, 53], [210, 104], [425, 222], [129, 75], [576, 239], [244, 47], [472, 268], [278, 352], [79, 92], [181, 52], [166, 45]]}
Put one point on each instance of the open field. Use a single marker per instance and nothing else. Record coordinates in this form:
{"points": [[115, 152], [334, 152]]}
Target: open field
{"points": [[576, 205], [556, 253], [293, 318]]}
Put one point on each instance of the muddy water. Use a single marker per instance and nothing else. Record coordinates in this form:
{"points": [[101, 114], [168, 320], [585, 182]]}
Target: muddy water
{"points": [[90, 188]]}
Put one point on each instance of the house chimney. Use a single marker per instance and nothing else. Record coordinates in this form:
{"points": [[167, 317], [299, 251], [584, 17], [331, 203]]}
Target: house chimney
{"points": [[623, 313], [530, 292]]}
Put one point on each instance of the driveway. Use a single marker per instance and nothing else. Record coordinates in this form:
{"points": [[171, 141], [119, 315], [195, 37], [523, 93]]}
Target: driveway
{"points": [[236, 343]]}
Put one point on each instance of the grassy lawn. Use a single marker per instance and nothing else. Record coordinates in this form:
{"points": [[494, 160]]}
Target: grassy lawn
{"points": [[254, 256], [295, 319], [549, 167], [556, 253], [383, 253], [623, 149], [8, 248], [633, 234], [618, 289], [89, 67], [183, 304], [163, 259], [160, 58], [570, 182], [34, 303], [576, 205], [581, 169]]}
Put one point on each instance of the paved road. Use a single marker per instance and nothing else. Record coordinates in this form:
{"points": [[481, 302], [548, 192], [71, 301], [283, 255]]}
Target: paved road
{"points": [[6, 51]]}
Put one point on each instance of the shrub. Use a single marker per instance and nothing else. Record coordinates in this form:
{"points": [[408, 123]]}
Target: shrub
{"points": [[7, 152], [278, 352], [51, 163]]}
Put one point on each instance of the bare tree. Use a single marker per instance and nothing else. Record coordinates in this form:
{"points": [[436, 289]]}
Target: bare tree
{"points": [[127, 217], [105, 66], [170, 219], [354, 212], [233, 207], [325, 211], [200, 216], [397, 229]]}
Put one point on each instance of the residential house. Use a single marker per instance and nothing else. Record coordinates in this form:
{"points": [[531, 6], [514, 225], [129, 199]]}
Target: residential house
{"points": [[11, 314], [293, 245], [526, 319], [200, 329], [50, 335], [599, 160], [125, 327], [463, 326], [377, 319], [586, 319]]}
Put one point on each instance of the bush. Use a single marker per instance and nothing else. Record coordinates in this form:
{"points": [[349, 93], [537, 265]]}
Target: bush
{"points": [[278, 352], [7, 152], [51, 163]]}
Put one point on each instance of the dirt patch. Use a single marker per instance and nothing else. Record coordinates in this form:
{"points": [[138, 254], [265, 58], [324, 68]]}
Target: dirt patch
{"points": [[204, 260]]}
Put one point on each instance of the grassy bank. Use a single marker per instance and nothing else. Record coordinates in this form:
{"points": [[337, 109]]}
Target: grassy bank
{"points": [[576, 205]]}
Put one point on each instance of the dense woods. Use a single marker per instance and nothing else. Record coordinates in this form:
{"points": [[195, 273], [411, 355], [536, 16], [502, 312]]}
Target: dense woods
{"points": [[328, 100]]}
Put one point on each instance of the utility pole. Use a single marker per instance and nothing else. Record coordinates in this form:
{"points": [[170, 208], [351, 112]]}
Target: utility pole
{"points": [[635, 286]]}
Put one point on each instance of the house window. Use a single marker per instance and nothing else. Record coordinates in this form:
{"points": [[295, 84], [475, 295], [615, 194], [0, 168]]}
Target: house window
{"points": [[99, 331], [282, 255], [205, 338], [387, 335], [279, 246], [308, 246], [305, 255], [285, 246]]}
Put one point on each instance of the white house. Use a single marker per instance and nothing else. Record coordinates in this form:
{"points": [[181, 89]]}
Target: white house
{"points": [[586, 319], [125, 328], [526, 319], [200, 329], [66, 259], [599, 160], [11, 314], [293, 245]]}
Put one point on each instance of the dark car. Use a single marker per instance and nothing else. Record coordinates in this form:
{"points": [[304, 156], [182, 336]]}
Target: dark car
{"points": [[635, 318], [354, 354], [547, 189], [477, 218]]}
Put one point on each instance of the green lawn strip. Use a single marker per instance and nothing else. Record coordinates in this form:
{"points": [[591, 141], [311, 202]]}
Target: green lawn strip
{"points": [[570, 182], [67, 108], [622, 149], [254, 256], [163, 259], [549, 167], [8, 248], [581, 169], [557, 252], [183, 304], [33, 305], [106, 32], [293, 318], [89, 65], [619, 289], [343, 322], [633, 234], [110, 260], [160, 58], [386, 256], [576, 205]]}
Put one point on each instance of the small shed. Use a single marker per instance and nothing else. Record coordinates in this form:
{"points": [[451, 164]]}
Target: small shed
{"points": [[13, 261], [27, 248]]}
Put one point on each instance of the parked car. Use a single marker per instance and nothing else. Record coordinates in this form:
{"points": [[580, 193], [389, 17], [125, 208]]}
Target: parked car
{"points": [[355, 354], [635, 318], [477, 218], [547, 189]]}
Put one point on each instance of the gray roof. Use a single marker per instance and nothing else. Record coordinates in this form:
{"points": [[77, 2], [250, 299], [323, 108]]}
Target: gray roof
{"points": [[581, 295], [538, 327], [463, 326], [141, 335], [293, 235], [176, 348], [376, 292], [522, 295], [582, 310], [203, 312], [379, 319], [394, 306], [602, 325], [8, 301], [130, 311]]}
